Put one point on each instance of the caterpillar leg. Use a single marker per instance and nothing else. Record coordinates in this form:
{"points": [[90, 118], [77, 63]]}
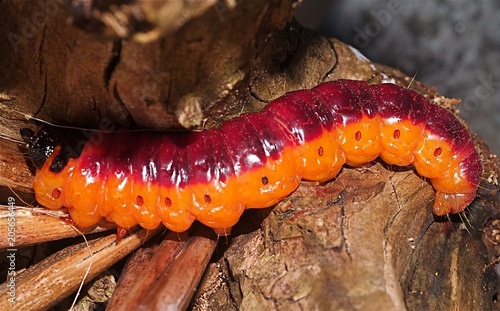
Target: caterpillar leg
{"points": [[120, 233], [69, 221], [222, 231]]}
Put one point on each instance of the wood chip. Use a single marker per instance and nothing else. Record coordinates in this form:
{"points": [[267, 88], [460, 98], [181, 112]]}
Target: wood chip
{"points": [[171, 276], [29, 223]]}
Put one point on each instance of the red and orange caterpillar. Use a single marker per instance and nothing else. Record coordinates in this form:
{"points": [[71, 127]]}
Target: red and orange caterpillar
{"points": [[257, 159]]}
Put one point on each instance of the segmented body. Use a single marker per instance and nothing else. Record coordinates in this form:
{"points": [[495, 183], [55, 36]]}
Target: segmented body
{"points": [[257, 159]]}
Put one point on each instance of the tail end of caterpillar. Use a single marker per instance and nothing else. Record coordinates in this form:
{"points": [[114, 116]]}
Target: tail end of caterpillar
{"points": [[451, 203]]}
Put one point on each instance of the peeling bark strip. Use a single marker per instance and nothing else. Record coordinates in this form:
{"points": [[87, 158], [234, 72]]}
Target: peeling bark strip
{"points": [[256, 160]]}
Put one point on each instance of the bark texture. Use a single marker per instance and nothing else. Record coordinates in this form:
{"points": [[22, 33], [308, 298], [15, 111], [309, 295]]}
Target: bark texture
{"points": [[364, 241]]}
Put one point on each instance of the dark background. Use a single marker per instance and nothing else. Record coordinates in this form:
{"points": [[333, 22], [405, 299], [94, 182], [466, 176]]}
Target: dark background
{"points": [[453, 45]]}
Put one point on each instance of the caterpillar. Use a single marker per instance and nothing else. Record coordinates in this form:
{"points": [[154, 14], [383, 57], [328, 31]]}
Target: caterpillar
{"points": [[254, 160]]}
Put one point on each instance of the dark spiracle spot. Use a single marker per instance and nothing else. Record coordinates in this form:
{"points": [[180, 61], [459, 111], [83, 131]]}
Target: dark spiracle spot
{"points": [[358, 135], [397, 134], [320, 151], [265, 181], [140, 200], [438, 151], [168, 202], [207, 199], [56, 193]]}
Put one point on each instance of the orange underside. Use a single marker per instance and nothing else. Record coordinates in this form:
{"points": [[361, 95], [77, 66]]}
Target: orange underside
{"points": [[219, 205]]}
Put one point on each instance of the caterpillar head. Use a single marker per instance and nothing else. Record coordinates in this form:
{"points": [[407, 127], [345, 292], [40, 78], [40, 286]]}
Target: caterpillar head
{"points": [[50, 150], [40, 144]]}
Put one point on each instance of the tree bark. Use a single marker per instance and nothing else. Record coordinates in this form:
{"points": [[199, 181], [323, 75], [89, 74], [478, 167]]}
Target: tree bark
{"points": [[365, 240]]}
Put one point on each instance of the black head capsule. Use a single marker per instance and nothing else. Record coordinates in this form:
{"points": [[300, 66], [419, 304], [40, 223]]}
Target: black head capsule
{"points": [[41, 144]]}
